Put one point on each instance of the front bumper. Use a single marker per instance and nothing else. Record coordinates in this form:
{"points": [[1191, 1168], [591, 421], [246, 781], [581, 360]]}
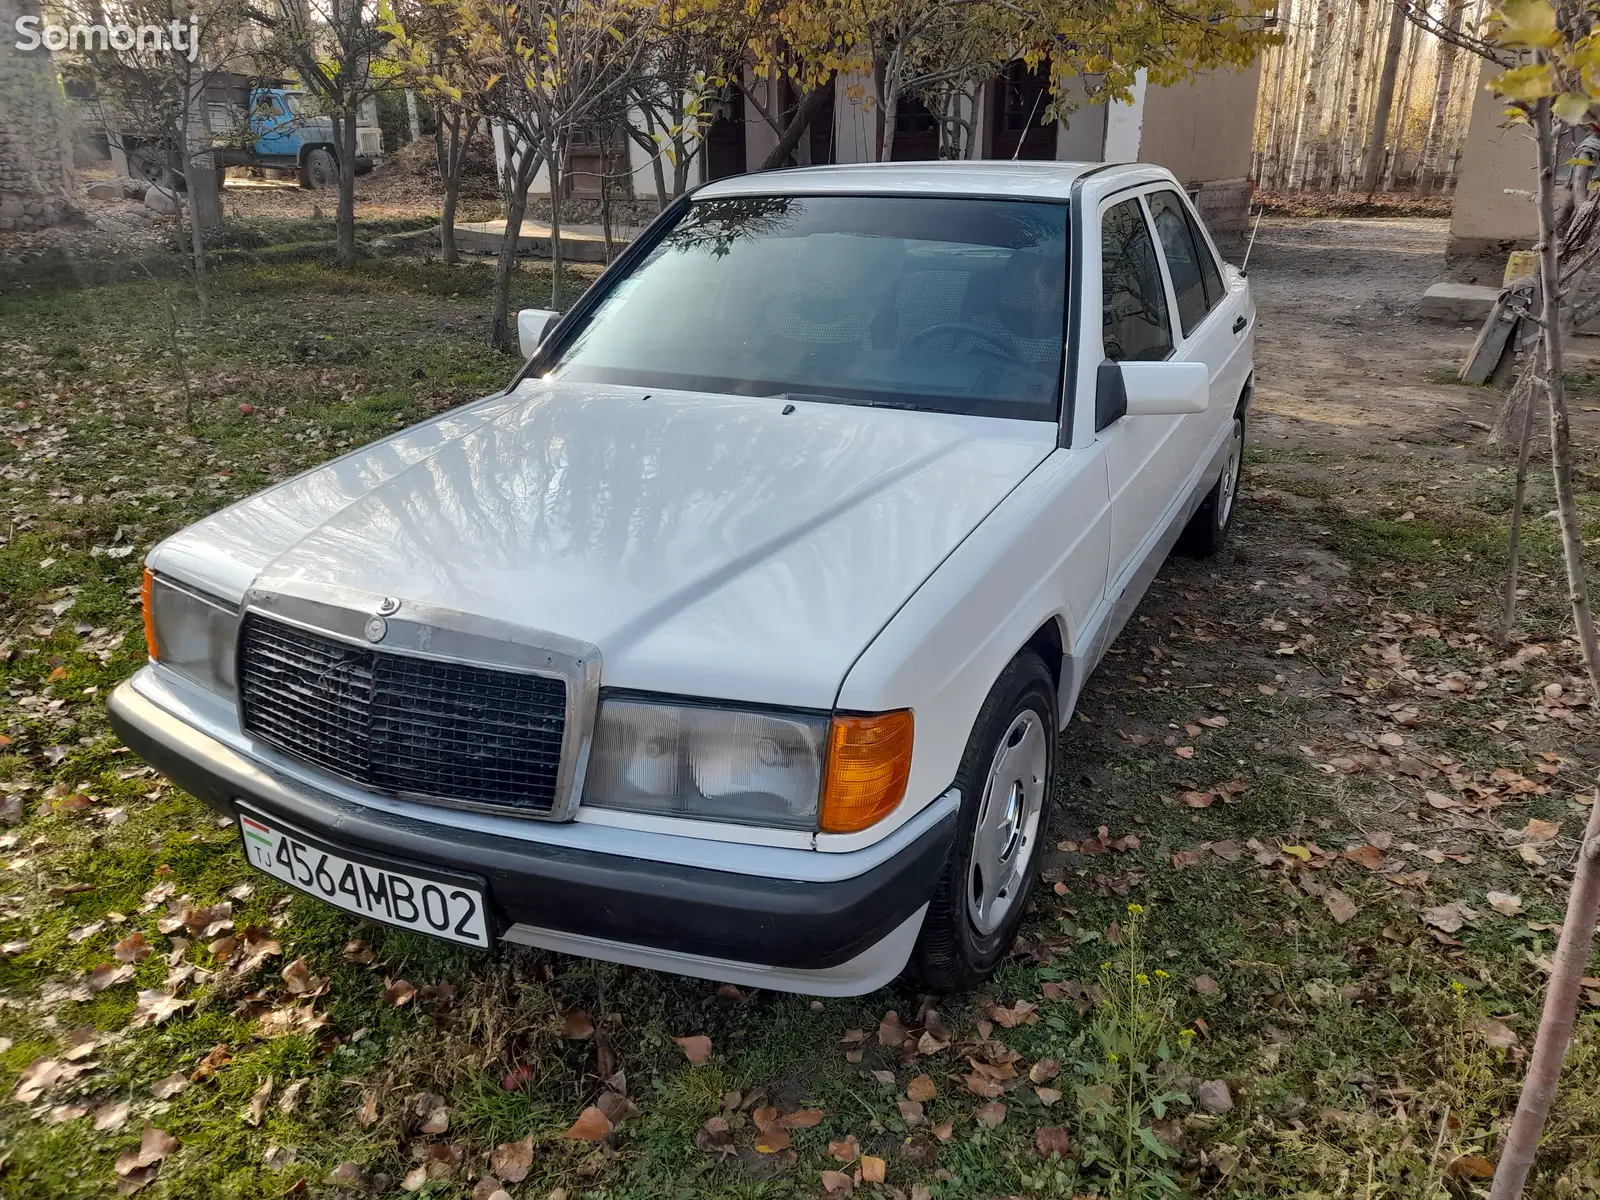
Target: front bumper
{"points": [[835, 936]]}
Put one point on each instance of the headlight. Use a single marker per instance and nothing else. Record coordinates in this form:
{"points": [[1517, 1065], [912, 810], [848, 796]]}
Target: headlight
{"points": [[708, 763], [190, 633]]}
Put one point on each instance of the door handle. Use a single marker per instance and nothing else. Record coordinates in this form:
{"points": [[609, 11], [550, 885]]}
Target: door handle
{"points": [[1240, 324]]}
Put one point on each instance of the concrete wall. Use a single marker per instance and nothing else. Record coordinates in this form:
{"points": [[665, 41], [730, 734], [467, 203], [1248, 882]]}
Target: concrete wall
{"points": [[37, 185], [1201, 131], [1486, 224]]}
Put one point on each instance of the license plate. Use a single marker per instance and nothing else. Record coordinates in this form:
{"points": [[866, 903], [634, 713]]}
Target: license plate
{"points": [[394, 893]]}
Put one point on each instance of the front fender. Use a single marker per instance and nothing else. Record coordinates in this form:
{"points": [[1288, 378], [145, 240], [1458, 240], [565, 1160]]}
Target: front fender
{"points": [[1041, 556]]}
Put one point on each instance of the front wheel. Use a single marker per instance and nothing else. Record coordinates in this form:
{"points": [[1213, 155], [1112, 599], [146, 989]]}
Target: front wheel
{"points": [[1207, 530], [1005, 780], [321, 170]]}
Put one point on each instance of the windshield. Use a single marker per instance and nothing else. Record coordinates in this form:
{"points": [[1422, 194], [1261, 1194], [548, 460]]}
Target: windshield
{"points": [[950, 305], [298, 107]]}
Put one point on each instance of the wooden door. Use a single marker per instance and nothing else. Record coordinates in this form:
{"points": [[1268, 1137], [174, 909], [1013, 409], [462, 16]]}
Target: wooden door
{"points": [[1017, 101]]}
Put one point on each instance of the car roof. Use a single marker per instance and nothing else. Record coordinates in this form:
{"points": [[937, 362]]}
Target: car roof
{"points": [[940, 177]]}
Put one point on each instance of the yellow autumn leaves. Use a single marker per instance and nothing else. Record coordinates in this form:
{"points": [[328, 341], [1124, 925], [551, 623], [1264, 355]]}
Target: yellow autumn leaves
{"points": [[1566, 69]]}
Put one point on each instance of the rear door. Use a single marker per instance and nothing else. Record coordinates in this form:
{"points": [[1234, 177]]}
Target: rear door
{"points": [[1210, 324]]}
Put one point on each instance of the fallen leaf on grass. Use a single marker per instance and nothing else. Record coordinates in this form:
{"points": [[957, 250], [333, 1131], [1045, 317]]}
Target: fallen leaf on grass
{"points": [[1340, 907], [873, 1170], [105, 975], [513, 1160], [357, 951], [110, 1117], [290, 1099], [1048, 1096], [772, 1139], [805, 1118], [837, 1183], [1052, 1139], [1495, 1033], [592, 1125], [133, 948], [431, 1113], [367, 1114], [576, 1025], [1470, 1166], [257, 1107], [1448, 917], [1505, 903], [216, 1058], [910, 1111], [155, 1006], [399, 992], [1367, 855], [1044, 1070], [1538, 831], [846, 1151], [922, 1089], [165, 1089], [890, 1030], [299, 981], [136, 1168], [990, 1114], [1206, 985], [696, 1049], [289, 1020]]}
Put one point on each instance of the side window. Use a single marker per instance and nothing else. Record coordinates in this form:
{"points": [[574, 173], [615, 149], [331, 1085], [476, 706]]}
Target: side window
{"points": [[1185, 253], [1134, 325]]}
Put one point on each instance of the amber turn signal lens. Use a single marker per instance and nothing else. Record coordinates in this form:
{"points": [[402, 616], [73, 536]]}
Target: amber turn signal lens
{"points": [[149, 619], [869, 759]]}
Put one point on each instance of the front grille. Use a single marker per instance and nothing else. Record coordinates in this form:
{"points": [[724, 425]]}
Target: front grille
{"points": [[400, 723]]}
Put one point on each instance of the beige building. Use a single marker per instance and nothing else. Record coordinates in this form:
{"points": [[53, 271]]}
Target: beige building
{"points": [[1493, 212]]}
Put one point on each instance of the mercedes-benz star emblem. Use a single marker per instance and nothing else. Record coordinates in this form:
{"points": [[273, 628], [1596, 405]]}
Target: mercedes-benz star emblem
{"points": [[376, 628]]}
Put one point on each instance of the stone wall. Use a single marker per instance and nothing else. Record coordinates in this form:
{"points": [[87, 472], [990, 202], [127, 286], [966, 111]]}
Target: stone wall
{"points": [[36, 180]]}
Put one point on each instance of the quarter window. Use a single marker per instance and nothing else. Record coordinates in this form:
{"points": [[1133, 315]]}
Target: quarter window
{"points": [[1134, 324], [1196, 282]]}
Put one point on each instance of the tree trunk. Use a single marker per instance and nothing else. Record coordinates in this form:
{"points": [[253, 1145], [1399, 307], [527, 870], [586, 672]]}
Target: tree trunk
{"points": [[521, 163], [1311, 107], [1352, 110], [1508, 603], [458, 131], [345, 129], [798, 125], [556, 161], [197, 238], [413, 117], [1583, 902], [1372, 168], [1428, 167], [1407, 77]]}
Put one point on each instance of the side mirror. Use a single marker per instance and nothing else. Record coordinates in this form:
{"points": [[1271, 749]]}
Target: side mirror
{"points": [[1150, 389], [533, 324]]}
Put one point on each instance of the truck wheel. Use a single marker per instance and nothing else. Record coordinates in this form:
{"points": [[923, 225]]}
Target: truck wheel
{"points": [[1005, 778], [321, 170], [1206, 531], [147, 163]]}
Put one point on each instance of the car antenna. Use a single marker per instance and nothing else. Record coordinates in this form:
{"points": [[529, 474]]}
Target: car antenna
{"points": [[1245, 265]]}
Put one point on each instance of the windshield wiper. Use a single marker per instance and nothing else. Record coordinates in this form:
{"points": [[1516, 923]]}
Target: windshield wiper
{"points": [[832, 398]]}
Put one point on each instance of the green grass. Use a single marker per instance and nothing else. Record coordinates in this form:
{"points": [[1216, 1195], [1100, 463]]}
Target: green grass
{"points": [[1346, 1048]]}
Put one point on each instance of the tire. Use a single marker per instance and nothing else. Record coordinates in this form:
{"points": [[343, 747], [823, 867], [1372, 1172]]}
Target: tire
{"points": [[322, 171], [1207, 530], [983, 892]]}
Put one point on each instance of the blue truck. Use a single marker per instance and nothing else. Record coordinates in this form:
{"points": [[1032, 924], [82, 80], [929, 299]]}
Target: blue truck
{"points": [[277, 126]]}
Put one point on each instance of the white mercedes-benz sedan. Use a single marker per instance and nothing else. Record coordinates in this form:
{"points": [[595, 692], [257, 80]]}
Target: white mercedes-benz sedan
{"points": [[734, 637]]}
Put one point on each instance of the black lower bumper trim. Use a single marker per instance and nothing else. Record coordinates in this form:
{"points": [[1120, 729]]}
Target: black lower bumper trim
{"points": [[686, 910]]}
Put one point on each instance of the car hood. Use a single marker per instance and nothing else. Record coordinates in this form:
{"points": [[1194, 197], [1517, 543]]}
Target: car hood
{"points": [[707, 545]]}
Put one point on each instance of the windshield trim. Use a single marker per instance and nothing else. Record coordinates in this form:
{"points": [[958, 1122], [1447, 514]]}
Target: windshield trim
{"points": [[578, 316]]}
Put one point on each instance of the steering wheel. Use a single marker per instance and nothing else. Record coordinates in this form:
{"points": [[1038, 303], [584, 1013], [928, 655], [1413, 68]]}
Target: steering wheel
{"points": [[999, 341]]}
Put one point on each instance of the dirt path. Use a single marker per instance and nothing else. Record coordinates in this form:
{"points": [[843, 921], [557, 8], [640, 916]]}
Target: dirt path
{"points": [[1342, 351]]}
